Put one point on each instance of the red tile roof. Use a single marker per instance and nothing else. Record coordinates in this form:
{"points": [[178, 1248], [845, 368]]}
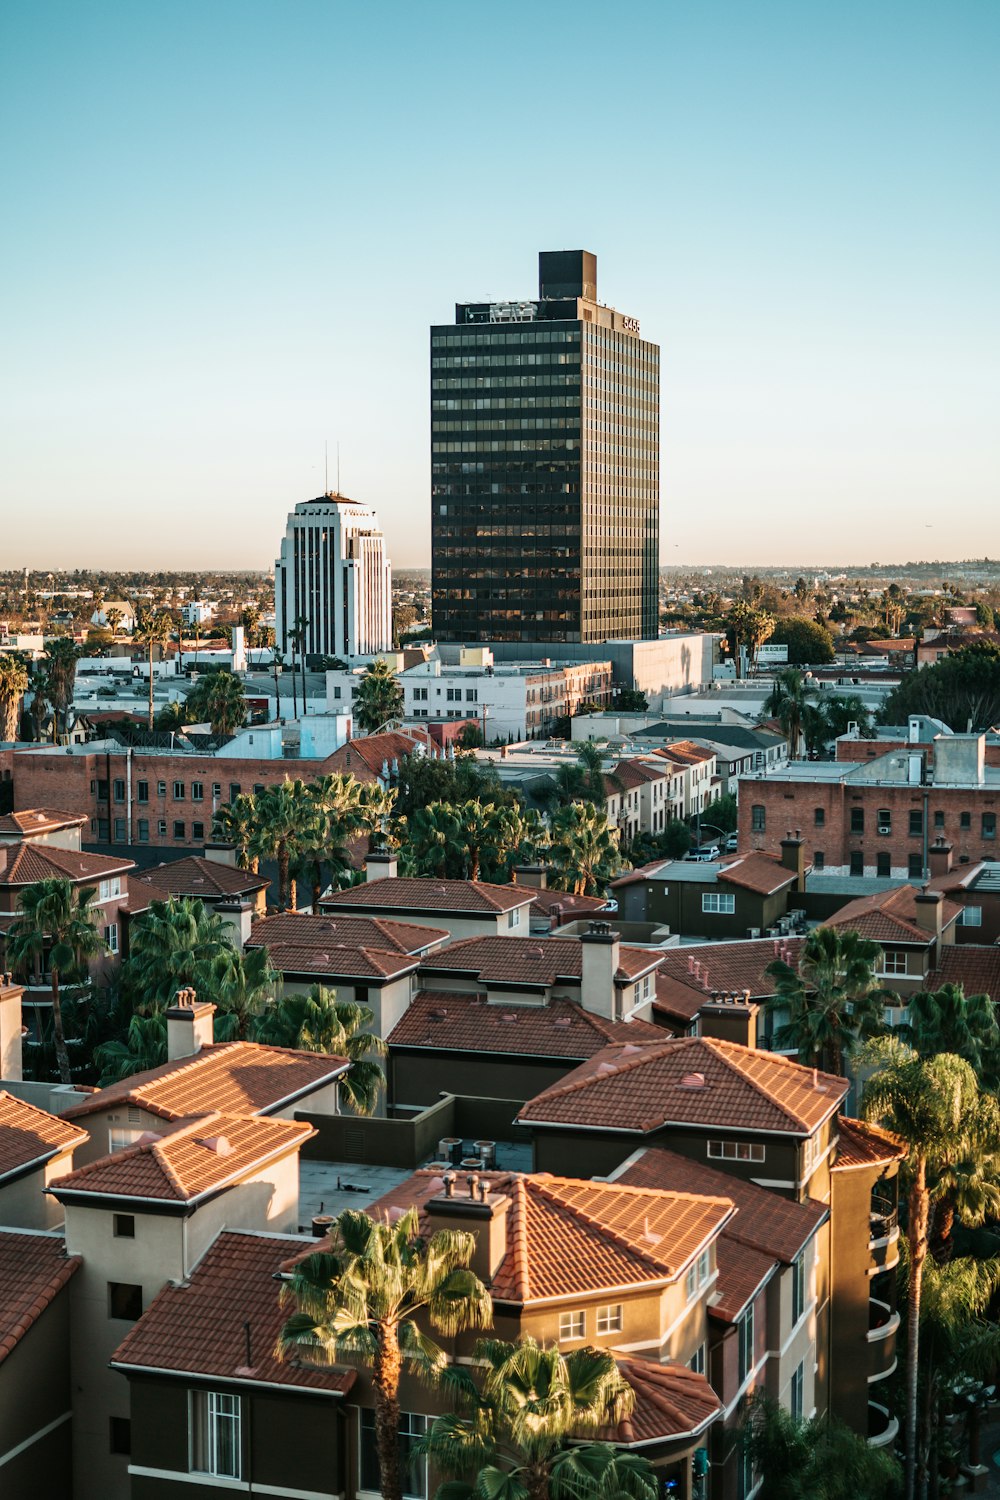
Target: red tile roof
{"points": [[776, 1227], [196, 876], [531, 961], [403, 893], [30, 862], [197, 1328], [447, 1020], [742, 1273], [975, 966], [680, 991], [689, 1080], [33, 1270], [865, 1145], [890, 916], [566, 1237], [235, 1077], [671, 1401], [32, 821], [29, 1136], [687, 752], [564, 903], [199, 1158], [629, 774], [365, 756], [340, 930], [761, 873]]}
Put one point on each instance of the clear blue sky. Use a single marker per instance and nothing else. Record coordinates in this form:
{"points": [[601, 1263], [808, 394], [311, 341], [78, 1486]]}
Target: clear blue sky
{"points": [[227, 225]]}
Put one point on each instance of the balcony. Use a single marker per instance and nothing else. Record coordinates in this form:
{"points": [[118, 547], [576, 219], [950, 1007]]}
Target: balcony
{"points": [[882, 1426], [882, 1326], [883, 1231]]}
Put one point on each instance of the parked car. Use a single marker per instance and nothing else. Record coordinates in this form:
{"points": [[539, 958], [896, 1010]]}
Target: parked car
{"points": [[732, 843], [703, 854]]}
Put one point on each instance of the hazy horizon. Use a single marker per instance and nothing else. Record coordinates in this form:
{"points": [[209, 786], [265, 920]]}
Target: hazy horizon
{"points": [[229, 229]]}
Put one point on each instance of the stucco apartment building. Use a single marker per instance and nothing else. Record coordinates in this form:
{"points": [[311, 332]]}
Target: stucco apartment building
{"points": [[879, 816]]}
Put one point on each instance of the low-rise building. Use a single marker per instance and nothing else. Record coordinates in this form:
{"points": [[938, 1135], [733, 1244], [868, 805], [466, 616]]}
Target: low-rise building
{"points": [[729, 897]]}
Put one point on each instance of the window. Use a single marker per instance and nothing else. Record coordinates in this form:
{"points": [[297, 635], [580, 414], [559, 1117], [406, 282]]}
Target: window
{"points": [[123, 1226], [109, 888], [857, 820], [197, 791], [915, 866], [736, 1150], [178, 829], [744, 1331], [119, 790], [198, 832], [216, 790], [758, 818], [819, 859], [697, 1360], [120, 830], [143, 830], [970, 916], [234, 790], [120, 1435], [718, 902], [142, 791], [103, 830], [161, 828], [989, 825], [798, 1287], [819, 816], [895, 961], [572, 1325], [259, 789], [412, 1465], [691, 1281], [111, 936], [178, 791], [609, 1319], [798, 1387], [883, 864], [216, 1446], [472, 695], [515, 917], [939, 820], [916, 823], [884, 821], [965, 820], [857, 862], [161, 788], [102, 791], [704, 1267], [124, 1301]]}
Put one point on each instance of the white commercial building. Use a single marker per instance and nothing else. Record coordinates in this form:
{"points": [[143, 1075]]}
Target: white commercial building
{"points": [[333, 573]]}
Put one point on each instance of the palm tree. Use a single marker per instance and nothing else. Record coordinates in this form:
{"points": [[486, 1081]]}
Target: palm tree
{"points": [[170, 947], [374, 812], [236, 823], [285, 828], [39, 699], [239, 984], [511, 1428], [591, 763], [434, 844], [13, 686], [297, 636], [319, 1022], [379, 697], [948, 1020], [60, 661], [584, 851], [832, 1002], [786, 702], [58, 920], [936, 1108], [360, 1296], [959, 1342], [152, 628], [144, 1047], [750, 627], [816, 1460], [114, 616], [219, 698]]}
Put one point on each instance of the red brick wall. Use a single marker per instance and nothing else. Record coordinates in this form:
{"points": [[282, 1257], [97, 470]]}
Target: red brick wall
{"points": [[854, 750]]}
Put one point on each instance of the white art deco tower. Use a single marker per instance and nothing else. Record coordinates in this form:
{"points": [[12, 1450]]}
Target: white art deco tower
{"points": [[334, 574]]}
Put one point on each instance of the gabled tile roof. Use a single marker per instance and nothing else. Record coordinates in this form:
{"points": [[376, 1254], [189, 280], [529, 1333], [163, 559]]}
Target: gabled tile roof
{"points": [[339, 929], [33, 1270], [671, 1402], [629, 774], [548, 902], [30, 862], [29, 1135], [686, 752], [681, 991], [33, 821], [531, 961], [365, 756], [234, 1077], [197, 1328], [689, 1080], [890, 916], [743, 1271], [776, 1227], [973, 965], [864, 1145], [404, 893], [207, 878], [447, 1020], [566, 1237], [198, 1158], [757, 872]]}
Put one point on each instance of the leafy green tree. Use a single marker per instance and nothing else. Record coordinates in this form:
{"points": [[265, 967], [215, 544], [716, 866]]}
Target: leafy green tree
{"points": [[39, 705], [945, 1120], [516, 1411], [960, 689], [379, 698], [13, 686], [723, 813], [847, 708], [423, 780], [470, 736], [748, 626], [56, 929], [217, 698], [815, 1460], [809, 644], [631, 701], [677, 839], [360, 1297], [832, 1002], [584, 853], [318, 1022]]}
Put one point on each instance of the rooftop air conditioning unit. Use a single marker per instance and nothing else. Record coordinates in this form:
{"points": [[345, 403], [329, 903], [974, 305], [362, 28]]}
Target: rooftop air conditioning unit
{"points": [[753, 932]]}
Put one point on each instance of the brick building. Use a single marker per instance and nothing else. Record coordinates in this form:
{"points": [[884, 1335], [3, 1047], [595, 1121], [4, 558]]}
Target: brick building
{"points": [[880, 816]]}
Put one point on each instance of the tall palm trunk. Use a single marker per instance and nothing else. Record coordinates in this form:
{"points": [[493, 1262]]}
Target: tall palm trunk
{"points": [[283, 878], [293, 893], [385, 1381], [59, 1033], [295, 687], [151, 686], [919, 1217]]}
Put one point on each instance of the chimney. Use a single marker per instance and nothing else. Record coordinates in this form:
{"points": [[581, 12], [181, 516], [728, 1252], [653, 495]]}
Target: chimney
{"points": [[730, 1018], [939, 857], [600, 951], [466, 1203], [11, 1028], [238, 917], [189, 1025], [533, 875], [929, 908], [381, 865], [221, 853], [793, 857]]}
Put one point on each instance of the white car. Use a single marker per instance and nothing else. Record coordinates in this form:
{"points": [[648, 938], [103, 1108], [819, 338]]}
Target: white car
{"points": [[703, 854]]}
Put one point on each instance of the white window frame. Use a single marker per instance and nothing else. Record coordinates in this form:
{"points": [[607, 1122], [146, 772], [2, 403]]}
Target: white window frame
{"points": [[215, 1407], [609, 1319], [797, 1392], [572, 1325], [111, 936], [515, 917], [753, 1151], [691, 1281], [745, 1334], [971, 916], [894, 961], [721, 902], [698, 1361], [798, 1287]]}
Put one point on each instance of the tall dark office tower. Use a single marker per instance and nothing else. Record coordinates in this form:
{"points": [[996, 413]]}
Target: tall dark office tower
{"points": [[545, 466]]}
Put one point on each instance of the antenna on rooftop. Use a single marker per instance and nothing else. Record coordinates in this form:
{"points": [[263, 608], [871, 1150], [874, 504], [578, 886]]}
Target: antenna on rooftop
{"points": [[338, 466], [326, 467]]}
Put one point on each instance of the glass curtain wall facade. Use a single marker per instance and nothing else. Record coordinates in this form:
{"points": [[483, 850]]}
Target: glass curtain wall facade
{"points": [[545, 471]]}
